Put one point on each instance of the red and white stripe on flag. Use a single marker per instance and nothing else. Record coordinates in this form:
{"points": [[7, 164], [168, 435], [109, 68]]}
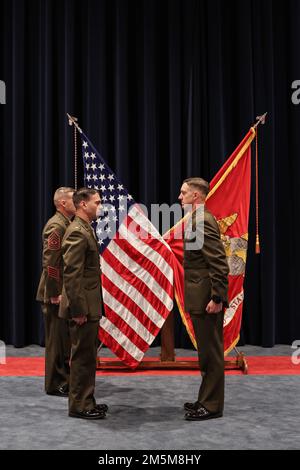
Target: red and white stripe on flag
{"points": [[137, 281]]}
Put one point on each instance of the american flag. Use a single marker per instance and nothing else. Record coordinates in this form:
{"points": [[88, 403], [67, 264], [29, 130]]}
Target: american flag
{"points": [[136, 263]]}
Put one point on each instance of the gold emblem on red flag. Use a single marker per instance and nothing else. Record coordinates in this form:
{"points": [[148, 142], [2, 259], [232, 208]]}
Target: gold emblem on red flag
{"points": [[235, 247]]}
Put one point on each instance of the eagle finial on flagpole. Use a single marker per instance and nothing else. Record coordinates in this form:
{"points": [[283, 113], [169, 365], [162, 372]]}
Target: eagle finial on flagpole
{"points": [[72, 120], [260, 120]]}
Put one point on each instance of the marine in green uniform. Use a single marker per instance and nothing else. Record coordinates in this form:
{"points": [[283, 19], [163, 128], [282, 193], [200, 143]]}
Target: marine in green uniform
{"points": [[206, 295], [57, 341], [82, 304]]}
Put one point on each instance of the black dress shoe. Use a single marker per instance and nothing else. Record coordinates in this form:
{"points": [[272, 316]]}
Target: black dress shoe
{"points": [[88, 414], [102, 407], [60, 391], [201, 414], [191, 406]]}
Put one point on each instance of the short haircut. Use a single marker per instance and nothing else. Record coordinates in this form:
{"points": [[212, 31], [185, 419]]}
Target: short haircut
{"points": [[83, 194], [61, 193], [199, 184]]}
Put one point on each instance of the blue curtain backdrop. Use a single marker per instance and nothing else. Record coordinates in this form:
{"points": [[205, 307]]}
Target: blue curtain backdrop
{"points": [[165, 90]]}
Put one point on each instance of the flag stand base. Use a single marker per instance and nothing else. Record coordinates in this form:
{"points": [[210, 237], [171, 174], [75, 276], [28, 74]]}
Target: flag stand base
{"points": [[237, 363], [167, 359]]}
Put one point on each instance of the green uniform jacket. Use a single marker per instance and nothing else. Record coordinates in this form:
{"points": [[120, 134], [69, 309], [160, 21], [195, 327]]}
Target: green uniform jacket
{"points": [[51, 279], [82, 293], [205, 269]]}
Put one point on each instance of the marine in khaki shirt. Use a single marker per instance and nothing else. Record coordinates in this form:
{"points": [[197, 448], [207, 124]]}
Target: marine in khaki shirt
{"points": [[57, 341], [206, 294], [82, 304]]}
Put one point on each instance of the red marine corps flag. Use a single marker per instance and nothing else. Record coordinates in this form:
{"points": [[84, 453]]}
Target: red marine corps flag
{"points": [[229, 201]]}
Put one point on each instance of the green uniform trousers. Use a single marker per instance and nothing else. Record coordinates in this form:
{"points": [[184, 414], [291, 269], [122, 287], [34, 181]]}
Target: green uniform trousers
{"points": [[208, 329], [84, 341], [57, 349]]}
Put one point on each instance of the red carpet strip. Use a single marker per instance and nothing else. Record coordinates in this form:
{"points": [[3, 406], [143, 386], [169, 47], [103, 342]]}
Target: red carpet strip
{"points": [[257, 365]]}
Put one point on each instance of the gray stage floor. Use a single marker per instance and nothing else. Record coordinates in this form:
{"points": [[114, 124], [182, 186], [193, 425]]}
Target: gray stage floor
{"points": [[261, 412], [278, 350]]}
